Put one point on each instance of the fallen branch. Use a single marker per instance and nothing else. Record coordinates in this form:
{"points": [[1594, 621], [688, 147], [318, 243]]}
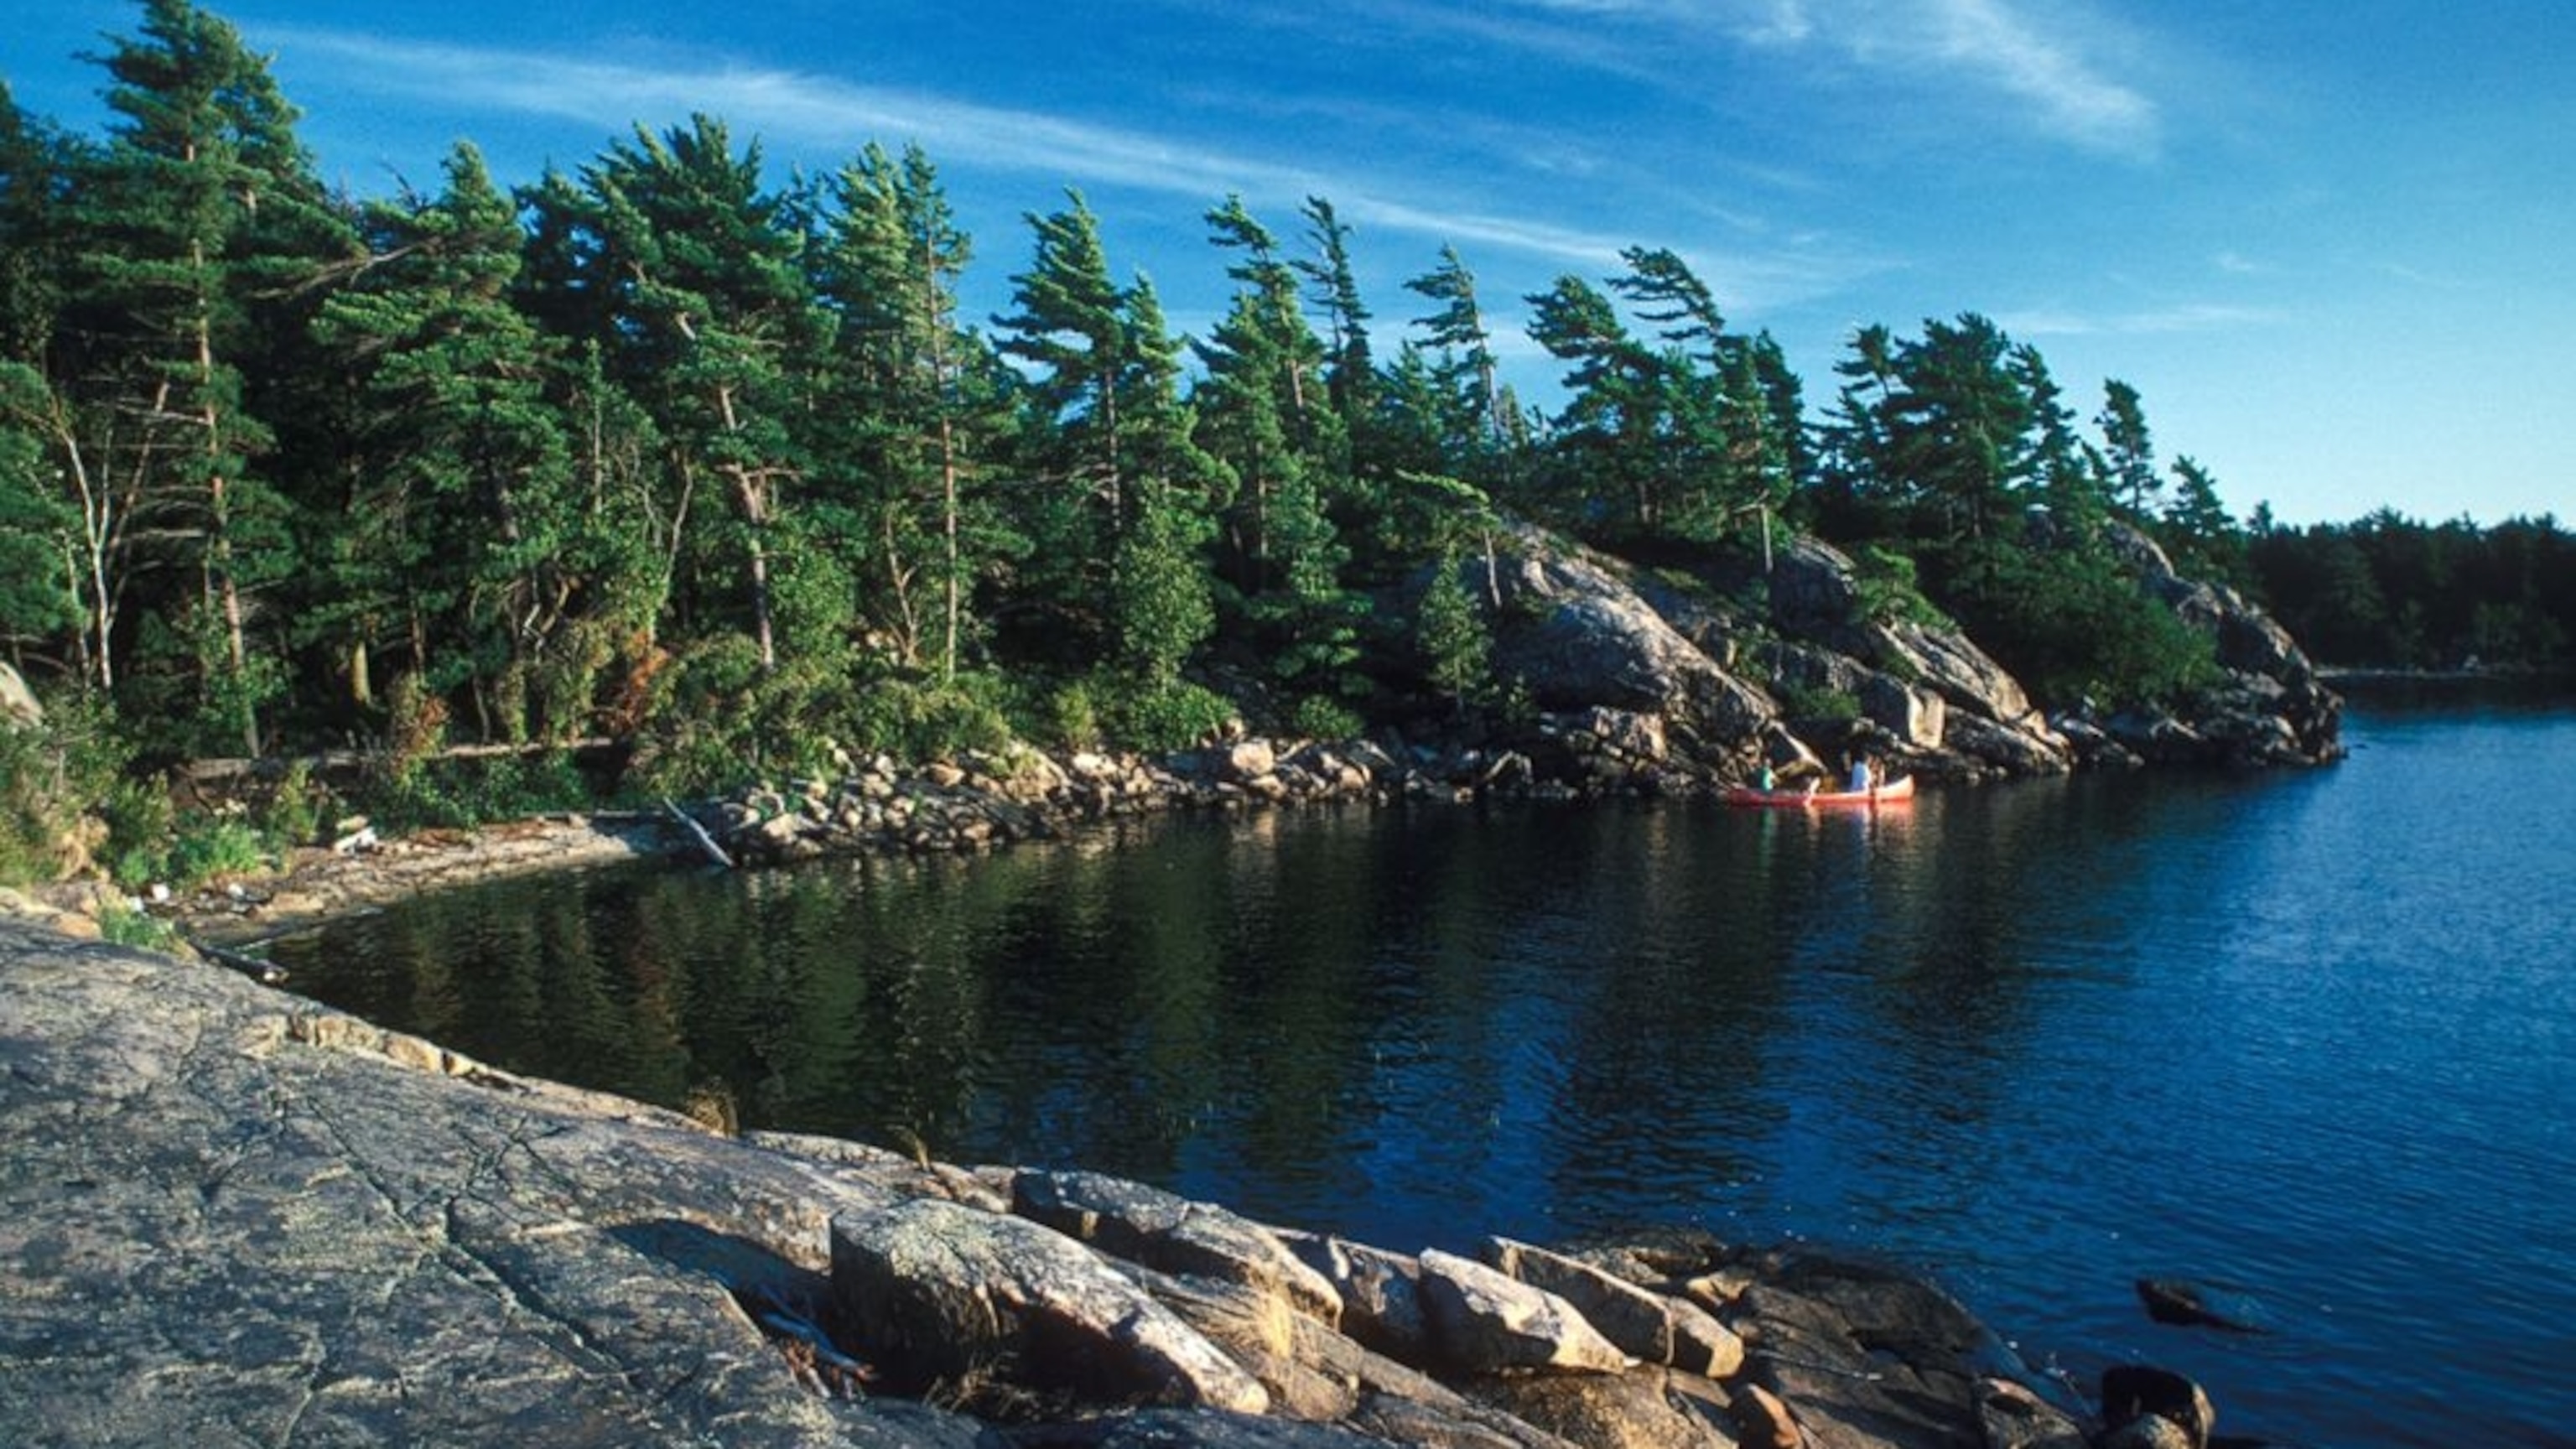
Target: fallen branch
{"points": [[706, 842]]}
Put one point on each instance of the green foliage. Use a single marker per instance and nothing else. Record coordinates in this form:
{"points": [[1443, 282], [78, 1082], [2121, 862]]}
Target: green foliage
{"points": [[1070, 715], [123, 923], [206, 849], [1452, 637], [920, 720], [1886, 589], [53, 776], [466, 792], [1113, 710], [1167, 714], [2390, 591], [141, 824], [2072, 626], [657, 447], [1317, 718], [1816, 702]]}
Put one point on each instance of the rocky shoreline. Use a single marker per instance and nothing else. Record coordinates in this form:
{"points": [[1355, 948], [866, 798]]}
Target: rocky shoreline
{"points": [[233, 1215], [227, 1214]]}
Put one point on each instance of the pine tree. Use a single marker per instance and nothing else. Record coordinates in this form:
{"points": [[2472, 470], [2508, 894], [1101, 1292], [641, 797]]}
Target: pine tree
{"points": [[1483, 424], [1620, 396], [1350, 373], [916, 402], [2199, 526], [464, 542], [1159, 606], [712, 325], [1070, 325], [2129, 453], [201, 209]]}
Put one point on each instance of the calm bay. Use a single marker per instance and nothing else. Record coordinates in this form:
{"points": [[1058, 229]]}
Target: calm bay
{"points": [[2306, 1037]]}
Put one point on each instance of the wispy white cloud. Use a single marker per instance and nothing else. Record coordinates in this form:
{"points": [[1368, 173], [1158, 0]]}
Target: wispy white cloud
{"points": [[813, 111], [2051, 68], [2180, 318], [2418, 277]]}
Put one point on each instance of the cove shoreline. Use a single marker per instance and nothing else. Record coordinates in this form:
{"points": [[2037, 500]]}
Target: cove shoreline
{"points": [[1805, 1399]]}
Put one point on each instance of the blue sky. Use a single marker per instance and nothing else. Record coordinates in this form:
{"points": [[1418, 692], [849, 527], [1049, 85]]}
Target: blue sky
{"points": [[2333, 245]]}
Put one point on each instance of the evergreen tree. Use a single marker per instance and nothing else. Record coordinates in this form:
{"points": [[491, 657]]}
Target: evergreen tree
{"points": [[1071, 326], [1350, 372], [463, 545], [1615, 400], [1857, 495], [2197, 527], [1160, 607], [712, 326], [917, 404], [39, 552], [2128, 451], [1962, 437], [1481, 424], [37, 164], [201, 204], [1668, 293]]}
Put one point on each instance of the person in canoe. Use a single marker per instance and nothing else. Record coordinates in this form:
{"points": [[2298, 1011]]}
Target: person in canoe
{"points": [[1861, 775]]}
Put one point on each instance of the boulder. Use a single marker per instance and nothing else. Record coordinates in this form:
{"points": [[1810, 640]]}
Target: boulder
{"points": [[18, 704], [1380, 1292], [1581, 636], [941, 1292], [1653, 1327], [2153, 1408], [1766, 1422], [2270, 674], [2013, 1417], [1172, 1234], [1247, 760], [2199, 1305], [1616, 1411], [1928, 686], [1866, 1354], [1483, 1322]]}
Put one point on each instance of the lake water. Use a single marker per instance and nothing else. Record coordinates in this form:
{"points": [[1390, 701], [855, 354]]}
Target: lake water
{"points": [[2309, 1037]]}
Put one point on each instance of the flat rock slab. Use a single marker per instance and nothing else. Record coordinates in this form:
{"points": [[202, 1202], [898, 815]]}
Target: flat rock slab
{"points": [[214, 1230]]}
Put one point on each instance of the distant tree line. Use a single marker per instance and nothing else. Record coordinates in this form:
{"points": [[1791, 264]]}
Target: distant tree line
{"points": [[667, 449], [2387, 591]]}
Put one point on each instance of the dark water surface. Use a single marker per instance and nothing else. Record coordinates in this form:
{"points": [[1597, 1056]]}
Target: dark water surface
{"points": [[2310, 1037]]}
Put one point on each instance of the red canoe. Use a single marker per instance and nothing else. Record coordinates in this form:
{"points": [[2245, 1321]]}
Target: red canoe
{"points": [[1894, 792]]}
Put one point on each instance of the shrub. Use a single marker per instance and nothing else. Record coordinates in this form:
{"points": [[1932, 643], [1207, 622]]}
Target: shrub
{"points": [[123, 923], [1318, 718], [208, 847], [1816, 702], [53, 777], [1168, 715], [1886, 591]]}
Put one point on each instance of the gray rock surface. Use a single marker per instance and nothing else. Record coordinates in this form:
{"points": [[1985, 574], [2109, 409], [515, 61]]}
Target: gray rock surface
{"points": [[229, 1216], [1483, 1322], [222, 1221], [948, 1291]]}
